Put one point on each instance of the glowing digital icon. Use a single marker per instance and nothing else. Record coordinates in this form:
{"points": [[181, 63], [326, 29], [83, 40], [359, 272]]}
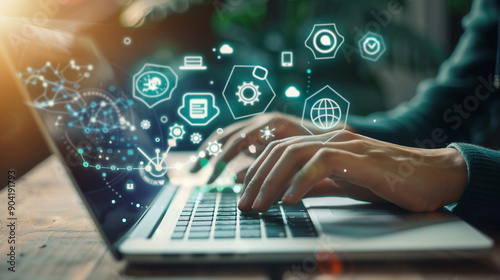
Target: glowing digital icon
{"points": [[325, 114], [292, 92], [154, 84], [157, 165], [287, 59], [248, 91], [252, 149], [145, 124], [372, 46], [193, 63], [177, 132], [327, 110], [214, 148], [267, 132], [196, 138], [130, 185], [198, 109], [324, 41], [226, 49]]}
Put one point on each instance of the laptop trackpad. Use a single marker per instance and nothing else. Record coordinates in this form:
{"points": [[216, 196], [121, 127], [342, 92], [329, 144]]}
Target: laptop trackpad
{"points": [[372, 220]]}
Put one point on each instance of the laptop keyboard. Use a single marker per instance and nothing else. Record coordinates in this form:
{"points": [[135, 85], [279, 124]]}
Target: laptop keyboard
{"points": [[215, 215]]}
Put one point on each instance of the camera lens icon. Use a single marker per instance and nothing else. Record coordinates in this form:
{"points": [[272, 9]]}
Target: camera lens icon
{"points": [[324, 41]]}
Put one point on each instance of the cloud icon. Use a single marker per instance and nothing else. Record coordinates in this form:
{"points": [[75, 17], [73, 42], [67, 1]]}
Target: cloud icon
{"points": [[226, 49], [292, 92]]}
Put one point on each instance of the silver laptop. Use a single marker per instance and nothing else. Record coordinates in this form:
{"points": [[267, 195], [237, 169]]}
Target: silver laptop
{"points": [[129, 162]]}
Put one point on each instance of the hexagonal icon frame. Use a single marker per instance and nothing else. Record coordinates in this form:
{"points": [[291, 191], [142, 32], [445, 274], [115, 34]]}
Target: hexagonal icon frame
{"points": [[330, 91], [255, 68], [167, 72], [208, 119], [330, 28], [363, 44]]}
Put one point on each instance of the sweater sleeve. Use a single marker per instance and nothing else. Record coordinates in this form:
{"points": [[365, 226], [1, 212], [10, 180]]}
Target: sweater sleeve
{"points": [[460, 104], [481, 198]]}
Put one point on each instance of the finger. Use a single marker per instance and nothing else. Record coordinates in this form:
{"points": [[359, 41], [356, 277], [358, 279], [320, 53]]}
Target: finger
{"points": [[273, 181], [240, 176], [221, 138], [275, 146], [234, 145], [325, 162], [340, 137]]}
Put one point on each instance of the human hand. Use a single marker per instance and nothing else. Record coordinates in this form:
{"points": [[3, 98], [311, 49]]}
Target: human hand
{"points": [[354, 166], [233, 143], [143, 12]]}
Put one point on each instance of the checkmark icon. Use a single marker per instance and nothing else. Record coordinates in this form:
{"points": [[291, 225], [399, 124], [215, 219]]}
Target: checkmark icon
{"points": [[371, 46]]}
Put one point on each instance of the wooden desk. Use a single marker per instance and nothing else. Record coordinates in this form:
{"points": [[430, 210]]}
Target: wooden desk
{"points": [[58, 240]]}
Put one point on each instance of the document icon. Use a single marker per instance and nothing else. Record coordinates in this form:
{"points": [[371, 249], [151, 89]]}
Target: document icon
{"points": [[198, 108]]}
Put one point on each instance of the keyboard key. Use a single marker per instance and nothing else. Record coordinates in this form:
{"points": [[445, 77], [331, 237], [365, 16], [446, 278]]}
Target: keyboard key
{"points": [[199, 234], [204, 209], [275, 231], [218, 222], [177, 235], [272, 214], [226, 213], [250, 234], [180, 228], [250, 222], [245, 227], [185, 213], [203, 228], [296, 215], [182, 223], [225, 227], [225, 234], [227, 209], [201, 223], [226, 218], [204, 214], [202, 218], [184, 218]]}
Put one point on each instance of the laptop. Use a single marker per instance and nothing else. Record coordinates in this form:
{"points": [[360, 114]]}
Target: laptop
{"points": [[129, 162]]}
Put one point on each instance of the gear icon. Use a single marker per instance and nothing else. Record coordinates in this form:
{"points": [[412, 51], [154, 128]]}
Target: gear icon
{"points": [[196, 138], [145, 124], [214, 148], [177, 131], [252, 93]]}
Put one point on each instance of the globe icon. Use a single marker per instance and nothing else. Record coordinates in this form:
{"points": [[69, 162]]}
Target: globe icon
{"points": [[325, 113]]}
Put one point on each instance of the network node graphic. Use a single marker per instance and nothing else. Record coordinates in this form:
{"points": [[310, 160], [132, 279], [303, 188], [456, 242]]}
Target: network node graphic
{"points": [[177, 131], [154, 84], [372, 46], [196, 138], [198, 109], [324, 41], [327, 110], [248, 91], [214, 148], [267, 133]]}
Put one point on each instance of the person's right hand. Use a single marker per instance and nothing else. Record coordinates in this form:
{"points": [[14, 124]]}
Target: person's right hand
{"points": [[233, 143]]}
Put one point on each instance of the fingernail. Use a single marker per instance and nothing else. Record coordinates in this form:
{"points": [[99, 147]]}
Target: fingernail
{"points": [[243, 201], [257, 202]]}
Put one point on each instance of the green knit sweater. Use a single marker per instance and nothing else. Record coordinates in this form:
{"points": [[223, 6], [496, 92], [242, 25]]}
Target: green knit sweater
{"points": [[459, 106]]}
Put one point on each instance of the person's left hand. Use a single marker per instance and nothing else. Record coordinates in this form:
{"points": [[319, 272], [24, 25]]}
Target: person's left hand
{"points": [[354, 166]]}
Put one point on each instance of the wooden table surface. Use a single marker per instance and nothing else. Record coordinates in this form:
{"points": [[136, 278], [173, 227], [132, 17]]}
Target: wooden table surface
{"points": [[56, 239]]}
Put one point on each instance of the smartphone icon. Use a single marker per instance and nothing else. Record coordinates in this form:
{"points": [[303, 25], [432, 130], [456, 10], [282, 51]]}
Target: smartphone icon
{"points": [[287, 59]]}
